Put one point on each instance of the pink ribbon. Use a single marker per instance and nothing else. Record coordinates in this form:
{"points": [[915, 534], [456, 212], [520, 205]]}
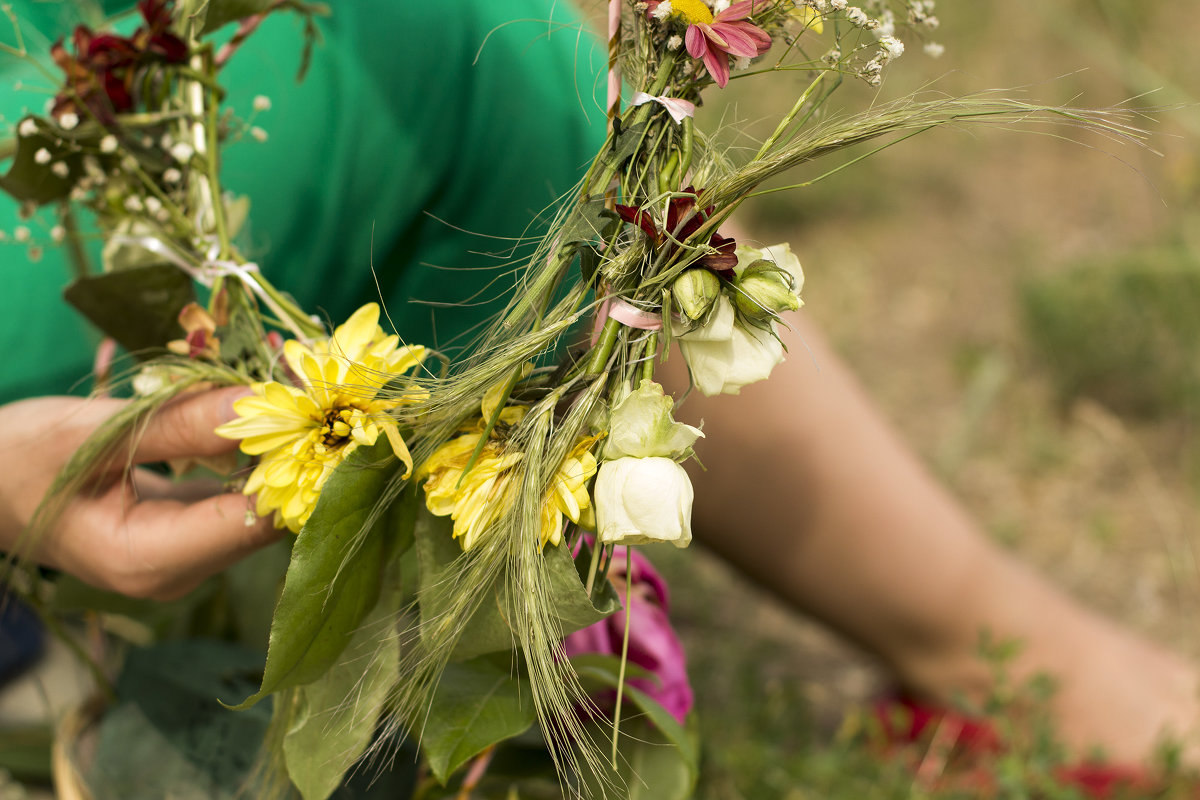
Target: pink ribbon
{"points": [[678, 109], [625, 313]]}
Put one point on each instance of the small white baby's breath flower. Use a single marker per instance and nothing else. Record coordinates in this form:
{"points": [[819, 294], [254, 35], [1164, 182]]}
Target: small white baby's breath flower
{"points": [[182, 152], [21, 233], [58, 233], [258, 134], [108, 144], [153, 204], [69, 121], [838, 5], [262, 103], [60, 169], [27, 127], [133, 204], [129, 164], [741, 63], [892, 46], [42, 156], [172, 175], [78, 193], [857, 17], [720, 5], [934, 49], [662, 10], [675, 42]]}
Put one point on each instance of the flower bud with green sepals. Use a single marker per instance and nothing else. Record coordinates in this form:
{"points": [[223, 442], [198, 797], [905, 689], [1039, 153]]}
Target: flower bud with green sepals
{"points": [[695, 291]]}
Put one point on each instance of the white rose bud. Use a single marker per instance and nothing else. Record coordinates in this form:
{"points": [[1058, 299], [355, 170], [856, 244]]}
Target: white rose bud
{"points": [[643, 500], [641, 426], [695, 291]]}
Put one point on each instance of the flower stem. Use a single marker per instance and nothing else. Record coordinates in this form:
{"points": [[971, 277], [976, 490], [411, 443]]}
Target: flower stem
{"points": [[624, 653], [787, 120], [603, 348]]}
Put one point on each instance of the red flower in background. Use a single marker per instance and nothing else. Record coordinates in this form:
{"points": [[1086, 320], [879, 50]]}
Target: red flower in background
{"points": [[104, 68]]}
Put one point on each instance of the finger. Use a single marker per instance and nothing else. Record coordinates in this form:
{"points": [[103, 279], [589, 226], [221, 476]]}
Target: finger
{"points": [[166, 548], [184, 427], [150, 485]]}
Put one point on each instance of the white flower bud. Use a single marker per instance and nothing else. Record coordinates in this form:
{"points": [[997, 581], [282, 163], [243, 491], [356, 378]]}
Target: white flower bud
{"points": [[764, 290], [641, 426], [643, 500], [695, 291]]}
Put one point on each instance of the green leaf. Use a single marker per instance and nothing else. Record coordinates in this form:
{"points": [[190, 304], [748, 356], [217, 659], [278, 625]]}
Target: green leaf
{"points": [[648, 767], [591, 222], [604, 670], [334, 578], [478, 703], [339, 711], [138, 307], [168, 736], [488, 631], [221, 12], [628, 141], [31, 182]]}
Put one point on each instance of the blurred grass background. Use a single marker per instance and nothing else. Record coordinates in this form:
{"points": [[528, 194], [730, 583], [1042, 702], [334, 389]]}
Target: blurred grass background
{"points": [[1026, 310]]}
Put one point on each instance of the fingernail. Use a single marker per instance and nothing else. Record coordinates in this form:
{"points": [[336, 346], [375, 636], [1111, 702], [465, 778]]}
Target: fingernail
{"points": [[232, 395]]}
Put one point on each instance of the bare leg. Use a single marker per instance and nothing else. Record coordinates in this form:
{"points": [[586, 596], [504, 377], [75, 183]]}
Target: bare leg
{"points": [[810, 493]]}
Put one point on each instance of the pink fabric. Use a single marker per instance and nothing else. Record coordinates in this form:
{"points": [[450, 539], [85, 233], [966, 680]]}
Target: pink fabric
{"points": [[653, 644]]}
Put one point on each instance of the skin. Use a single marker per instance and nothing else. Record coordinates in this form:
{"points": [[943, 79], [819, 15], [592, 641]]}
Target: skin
{"points": [[135, 532]]}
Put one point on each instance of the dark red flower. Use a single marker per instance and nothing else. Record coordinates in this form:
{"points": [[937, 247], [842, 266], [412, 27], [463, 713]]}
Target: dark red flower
{"points": [[683, 220], [102, 72]]}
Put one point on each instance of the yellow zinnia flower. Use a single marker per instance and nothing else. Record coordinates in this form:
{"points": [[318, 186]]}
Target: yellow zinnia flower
{"points": [[477, 500], [303, 433]]}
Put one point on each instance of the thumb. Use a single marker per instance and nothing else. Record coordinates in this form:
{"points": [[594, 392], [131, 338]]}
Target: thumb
{"points": [[184, 427]]}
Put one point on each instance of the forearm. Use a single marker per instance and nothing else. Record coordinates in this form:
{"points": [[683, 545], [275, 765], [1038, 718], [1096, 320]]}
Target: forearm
{"points": [[807, 490]]}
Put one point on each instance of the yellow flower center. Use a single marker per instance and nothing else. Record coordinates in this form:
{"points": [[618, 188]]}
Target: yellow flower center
{"points": [[694, 11]]}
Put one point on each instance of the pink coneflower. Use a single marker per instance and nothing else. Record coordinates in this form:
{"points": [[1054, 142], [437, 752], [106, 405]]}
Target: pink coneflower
{"points": [[715, 37]]}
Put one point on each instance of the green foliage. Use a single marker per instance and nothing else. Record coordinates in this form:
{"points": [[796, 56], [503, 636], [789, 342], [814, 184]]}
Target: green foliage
{"points": [[168, 736], [138, 307], [478, 704], [219, 13], [338, 712], [335, 573], [1125, 332], [488, 630], [30, 182]]}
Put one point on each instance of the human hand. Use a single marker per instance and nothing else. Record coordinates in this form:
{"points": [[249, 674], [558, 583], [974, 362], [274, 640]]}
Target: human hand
{"points": [[130, 531]]}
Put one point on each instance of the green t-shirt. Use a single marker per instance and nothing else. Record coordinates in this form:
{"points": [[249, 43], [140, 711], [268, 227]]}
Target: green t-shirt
{"points": [[424, 141]]}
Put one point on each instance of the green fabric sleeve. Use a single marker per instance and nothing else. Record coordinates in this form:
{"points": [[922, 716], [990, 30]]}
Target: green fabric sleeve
{"points": [[425, 138]]}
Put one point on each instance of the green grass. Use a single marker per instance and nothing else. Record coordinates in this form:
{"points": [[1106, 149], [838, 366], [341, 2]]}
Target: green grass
{"points": [[1125, 332]]}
